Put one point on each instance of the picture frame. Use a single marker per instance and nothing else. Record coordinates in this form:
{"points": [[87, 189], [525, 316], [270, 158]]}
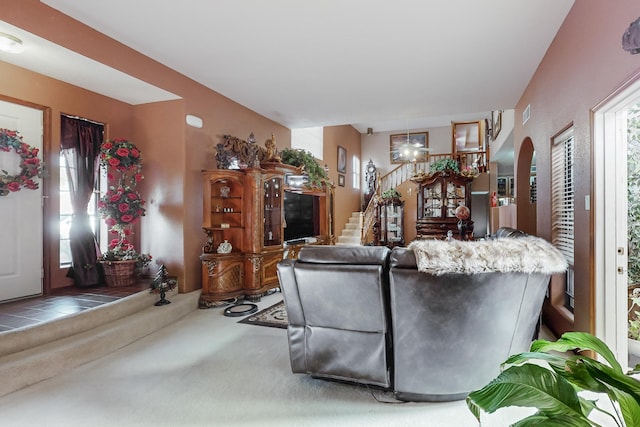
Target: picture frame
{"points": [[496, 123], [420, 142], [341, 180], [342, 160], [466, 137]]}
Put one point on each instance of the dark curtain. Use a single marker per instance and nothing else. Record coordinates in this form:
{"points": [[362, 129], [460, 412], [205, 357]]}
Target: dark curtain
{"points": [[80, 144]]}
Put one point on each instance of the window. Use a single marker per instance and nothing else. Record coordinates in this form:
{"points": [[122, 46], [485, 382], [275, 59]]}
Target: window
{"points": [[310, 139], [562, 203], [356, 172], [66, 210]]}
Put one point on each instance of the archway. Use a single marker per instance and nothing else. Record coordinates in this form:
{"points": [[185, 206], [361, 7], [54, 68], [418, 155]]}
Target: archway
{"points": [[526, 204]]}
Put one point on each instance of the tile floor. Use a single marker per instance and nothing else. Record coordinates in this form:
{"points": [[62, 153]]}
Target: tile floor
{"points": [[62, 302]]}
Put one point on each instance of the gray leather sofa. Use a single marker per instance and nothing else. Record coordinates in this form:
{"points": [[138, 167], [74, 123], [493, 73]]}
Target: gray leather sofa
{"points": [[337, 300], [368, 315]]}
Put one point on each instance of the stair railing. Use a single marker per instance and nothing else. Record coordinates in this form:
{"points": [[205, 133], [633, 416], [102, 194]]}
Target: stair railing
{"points": [[405, 171]]}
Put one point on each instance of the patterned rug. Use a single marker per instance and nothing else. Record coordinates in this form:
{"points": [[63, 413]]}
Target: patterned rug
{"points": [[274, 316]]}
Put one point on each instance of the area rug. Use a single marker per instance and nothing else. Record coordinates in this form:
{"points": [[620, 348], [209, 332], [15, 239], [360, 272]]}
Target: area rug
{"points": [[274, 316]]}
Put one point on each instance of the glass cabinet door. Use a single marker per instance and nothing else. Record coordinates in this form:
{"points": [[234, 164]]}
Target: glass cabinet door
{"points": [[273, 211], [432, 201], [394, 229]]}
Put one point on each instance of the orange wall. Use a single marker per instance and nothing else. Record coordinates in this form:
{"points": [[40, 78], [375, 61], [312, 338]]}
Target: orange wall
{"points": [[347, 198], [584, 64], [157, 127]]}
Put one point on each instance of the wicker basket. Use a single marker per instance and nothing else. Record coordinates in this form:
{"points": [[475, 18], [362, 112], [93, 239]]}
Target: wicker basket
{"points": [[119, 273]]}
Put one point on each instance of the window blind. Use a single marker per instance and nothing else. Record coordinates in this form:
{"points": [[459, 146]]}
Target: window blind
{"points": [[563, 194]]}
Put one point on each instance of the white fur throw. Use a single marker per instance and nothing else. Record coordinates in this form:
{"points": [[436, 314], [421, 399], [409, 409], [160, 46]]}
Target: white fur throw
{"points": [[528, 254]]}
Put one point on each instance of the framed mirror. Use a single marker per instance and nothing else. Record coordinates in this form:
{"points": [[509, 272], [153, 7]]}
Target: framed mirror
{"points": [[467, 137]]}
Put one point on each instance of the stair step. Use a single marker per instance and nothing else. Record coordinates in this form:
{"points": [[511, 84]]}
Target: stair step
{"points": [[35, 353]]}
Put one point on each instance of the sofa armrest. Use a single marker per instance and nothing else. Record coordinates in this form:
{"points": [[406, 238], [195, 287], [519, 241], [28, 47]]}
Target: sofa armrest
{"points": [[290, 294]]}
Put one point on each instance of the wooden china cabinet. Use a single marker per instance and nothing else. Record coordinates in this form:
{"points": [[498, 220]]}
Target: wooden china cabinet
{"points": [[244, 208], [388, 229], [439, 194]]}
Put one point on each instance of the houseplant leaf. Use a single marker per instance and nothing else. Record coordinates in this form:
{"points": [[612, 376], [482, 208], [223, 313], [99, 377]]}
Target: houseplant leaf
{"points": [[628, 406], [542, 420], [578, 340], [530, 386]]}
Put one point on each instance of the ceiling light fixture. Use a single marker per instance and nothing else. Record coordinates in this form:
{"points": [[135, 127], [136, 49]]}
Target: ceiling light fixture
{"points": [[10, 44], [369, 131]]}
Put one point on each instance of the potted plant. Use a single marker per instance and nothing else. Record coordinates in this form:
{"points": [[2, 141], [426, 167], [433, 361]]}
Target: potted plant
{"points": [[444, 165], [390, 194], [553, 382], [121, 207], [304, 160]]}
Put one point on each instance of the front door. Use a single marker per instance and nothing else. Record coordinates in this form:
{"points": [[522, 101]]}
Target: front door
{"points": [[21, 212]]}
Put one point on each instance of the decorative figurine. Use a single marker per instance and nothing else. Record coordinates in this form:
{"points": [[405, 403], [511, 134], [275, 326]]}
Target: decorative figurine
{"points": [[224, 247], [163, 283]]}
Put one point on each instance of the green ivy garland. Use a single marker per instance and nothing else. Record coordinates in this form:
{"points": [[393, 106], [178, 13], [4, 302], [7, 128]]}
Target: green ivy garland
{"points": [[30, 165]]}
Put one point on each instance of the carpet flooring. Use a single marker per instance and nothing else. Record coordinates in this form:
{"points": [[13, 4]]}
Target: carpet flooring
{"points": [[274, 316], [209, 370]]}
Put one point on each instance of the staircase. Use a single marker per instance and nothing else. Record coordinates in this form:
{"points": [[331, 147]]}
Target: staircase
{"points": [[350, 235]]}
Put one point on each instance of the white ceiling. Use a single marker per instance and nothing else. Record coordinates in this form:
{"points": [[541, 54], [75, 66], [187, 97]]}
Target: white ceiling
{"points": [[368, 63]]}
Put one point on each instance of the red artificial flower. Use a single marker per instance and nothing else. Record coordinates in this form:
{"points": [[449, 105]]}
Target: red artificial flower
{"points": [[123, 207], [14, 186], [127, 218], [122, 152], [135, 152], [110, 176], [107, 145], [110, 222], [114, 162], [114, 197], [32, 161], [132, 196], [139, 177], [31, 185]]}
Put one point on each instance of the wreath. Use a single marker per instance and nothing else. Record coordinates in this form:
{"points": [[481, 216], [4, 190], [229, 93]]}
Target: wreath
{"points": [[30, 165]]}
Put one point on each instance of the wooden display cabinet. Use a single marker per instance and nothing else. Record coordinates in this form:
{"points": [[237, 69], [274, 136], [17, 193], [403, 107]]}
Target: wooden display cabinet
{"points": [[245, 208], [264, 230], [389, 226], [439, 194]]}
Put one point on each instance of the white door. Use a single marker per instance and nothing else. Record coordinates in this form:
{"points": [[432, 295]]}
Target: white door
{"points": [[611, 232], [21, 213]]}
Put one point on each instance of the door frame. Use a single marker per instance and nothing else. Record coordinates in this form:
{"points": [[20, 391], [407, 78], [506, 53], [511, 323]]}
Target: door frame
{"points": [[47, 211], [610, 207]]}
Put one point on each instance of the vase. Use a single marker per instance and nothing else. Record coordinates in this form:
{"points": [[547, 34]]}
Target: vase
{"points": [[119, 273]]}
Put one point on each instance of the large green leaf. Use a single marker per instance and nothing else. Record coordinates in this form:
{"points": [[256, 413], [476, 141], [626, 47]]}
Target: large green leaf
{"points": [[613, 379], [628, 406], [577, 340], [542, 420], [529, 386]]}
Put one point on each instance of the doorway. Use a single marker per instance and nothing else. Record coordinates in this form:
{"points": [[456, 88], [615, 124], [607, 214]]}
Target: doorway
{"points": [[615, 137], [21, 212]]}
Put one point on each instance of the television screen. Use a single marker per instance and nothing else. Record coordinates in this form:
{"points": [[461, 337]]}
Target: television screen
{"points": [[299, 215]]}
